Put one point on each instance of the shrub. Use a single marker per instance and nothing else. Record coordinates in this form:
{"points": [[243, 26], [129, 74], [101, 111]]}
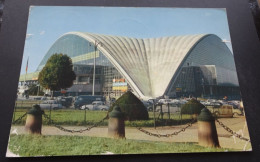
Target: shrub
{"points": [[192, 107], [131, 106]]}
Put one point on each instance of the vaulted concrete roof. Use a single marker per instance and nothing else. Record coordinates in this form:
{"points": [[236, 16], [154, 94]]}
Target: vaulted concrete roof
{"points": [[148, 65]]}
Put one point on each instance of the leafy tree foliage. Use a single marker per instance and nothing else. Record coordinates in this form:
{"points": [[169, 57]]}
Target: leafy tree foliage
{"points": [[34, 90], [192, 107], [57, 73], [131, 106]]}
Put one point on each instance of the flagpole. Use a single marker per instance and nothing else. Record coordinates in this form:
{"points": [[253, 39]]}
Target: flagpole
{"points": [[26, 70]]}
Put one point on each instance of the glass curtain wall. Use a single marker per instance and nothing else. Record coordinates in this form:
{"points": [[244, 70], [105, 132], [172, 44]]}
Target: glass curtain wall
{"points": [[82, 53]]}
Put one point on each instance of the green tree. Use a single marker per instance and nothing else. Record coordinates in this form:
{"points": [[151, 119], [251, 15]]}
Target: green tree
{"points": [[35, 90], [131, 106], [193, 106], [57, 73]]}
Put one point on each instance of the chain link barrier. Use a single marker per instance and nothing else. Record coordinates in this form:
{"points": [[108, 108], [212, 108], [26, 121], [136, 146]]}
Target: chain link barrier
{"points": [[139, 128], [20, 118], [74, 131], [232, 132], [166, 135]]}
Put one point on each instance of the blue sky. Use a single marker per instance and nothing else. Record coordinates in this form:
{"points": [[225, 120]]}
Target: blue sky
{"points": [[47, 23]]}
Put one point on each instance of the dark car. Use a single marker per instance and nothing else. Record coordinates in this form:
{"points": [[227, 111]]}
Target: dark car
{"points": [[65, 101], [233, 104], [148, 105]]}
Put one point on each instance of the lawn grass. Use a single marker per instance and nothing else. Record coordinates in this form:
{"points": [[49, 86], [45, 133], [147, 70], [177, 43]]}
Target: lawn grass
{"points": [[36, 145], [76, 117]]}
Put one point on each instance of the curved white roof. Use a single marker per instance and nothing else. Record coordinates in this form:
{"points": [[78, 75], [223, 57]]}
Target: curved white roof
{"points": [[148, 65]]}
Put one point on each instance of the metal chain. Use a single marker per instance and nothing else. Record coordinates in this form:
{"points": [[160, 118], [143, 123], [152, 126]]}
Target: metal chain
{"points": [[74, 131], [232, 132], [20, 118], [166, 135]]}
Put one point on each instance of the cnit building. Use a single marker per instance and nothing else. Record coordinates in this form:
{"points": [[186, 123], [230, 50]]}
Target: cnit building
{"points": [[175, 66]]}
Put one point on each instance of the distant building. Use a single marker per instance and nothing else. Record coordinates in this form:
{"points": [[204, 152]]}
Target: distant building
{"points": [[176, 66]]}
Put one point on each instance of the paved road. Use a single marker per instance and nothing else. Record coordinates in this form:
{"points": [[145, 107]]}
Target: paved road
{"points": [[190, 135]]}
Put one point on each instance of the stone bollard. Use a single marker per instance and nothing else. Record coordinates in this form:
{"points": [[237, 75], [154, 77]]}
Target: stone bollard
{"points": [[116, 123], [34, 120], [207, 132]]}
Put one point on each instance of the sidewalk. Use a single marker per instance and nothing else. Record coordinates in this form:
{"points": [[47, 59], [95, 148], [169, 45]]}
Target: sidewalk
{"points": [[190, 135]]}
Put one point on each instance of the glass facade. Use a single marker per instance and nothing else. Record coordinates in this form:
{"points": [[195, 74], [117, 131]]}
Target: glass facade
{"points": [[208, 71], [82, 53]]}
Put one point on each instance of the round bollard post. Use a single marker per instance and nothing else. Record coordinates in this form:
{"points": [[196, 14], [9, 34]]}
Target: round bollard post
{"points": [[34, 120], [116, 123], [207, 132]]}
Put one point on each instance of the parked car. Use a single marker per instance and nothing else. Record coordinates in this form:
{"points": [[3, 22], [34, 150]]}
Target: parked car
{"points": [[96, 105], [215, 104], [212, 100], [44, 98], [148, 105], [173, 108], [182, 102], [65, 101], [175, 101], [234, 104], [51, 104], [203, 103], [164, 101], [37, 98], [225, 111], [84, 100]]}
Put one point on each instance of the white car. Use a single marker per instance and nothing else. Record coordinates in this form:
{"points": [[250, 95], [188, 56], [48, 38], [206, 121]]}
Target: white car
{"points": [[164, 101], [51, 104], [182, 102], [175, 101], [96, 105], [173, 108]]}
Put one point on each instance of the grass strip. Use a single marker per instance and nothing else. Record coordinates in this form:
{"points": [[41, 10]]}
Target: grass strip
{"points": [[76, 118], [37, 145]]}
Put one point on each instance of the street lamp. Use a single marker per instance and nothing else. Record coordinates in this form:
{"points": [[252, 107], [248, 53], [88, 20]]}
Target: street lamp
{"points": [[38, 89], [203, 88], [95, 44]]}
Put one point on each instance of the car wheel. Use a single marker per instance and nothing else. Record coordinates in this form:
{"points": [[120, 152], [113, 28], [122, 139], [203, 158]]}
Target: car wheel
{"points": [[103, 109], [235, 114], [81, 107], [55, 108], [86, 108]]}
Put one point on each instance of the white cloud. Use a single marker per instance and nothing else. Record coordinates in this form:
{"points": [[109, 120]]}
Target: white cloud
{"points": [[42, 32]]}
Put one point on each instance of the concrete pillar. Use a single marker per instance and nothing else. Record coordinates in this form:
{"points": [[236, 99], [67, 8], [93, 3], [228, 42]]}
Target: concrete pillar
{"points": [[116, 123], [207, 132], [34, 120]]}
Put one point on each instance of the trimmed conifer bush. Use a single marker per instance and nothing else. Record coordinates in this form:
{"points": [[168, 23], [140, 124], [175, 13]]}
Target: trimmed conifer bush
{"points": [[192, 107], [132, 107]]}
